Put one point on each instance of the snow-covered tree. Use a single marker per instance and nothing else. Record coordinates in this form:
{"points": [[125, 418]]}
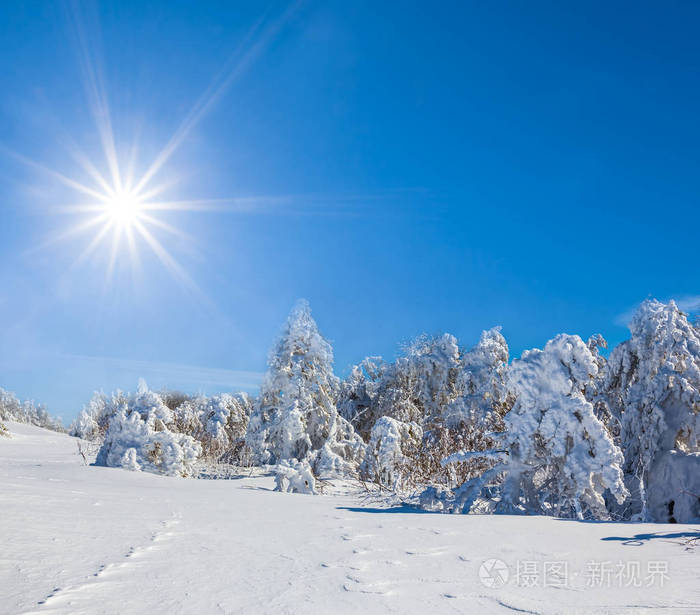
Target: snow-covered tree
{"points": [[420, 384], [472, 420], [138, 438], [219, 422], [484, 397], [391, 446], [296, 416], [456, 398], [651, 385], [556, 455], [357, 400], [92, 421], [561, 457]]}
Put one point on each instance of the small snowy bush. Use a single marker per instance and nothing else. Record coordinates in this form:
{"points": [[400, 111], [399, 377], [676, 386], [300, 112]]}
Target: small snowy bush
{"points": [[138, 438], [293, 476]]}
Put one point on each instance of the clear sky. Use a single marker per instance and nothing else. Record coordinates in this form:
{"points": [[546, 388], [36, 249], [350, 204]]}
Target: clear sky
{"points": [[406, 167]]}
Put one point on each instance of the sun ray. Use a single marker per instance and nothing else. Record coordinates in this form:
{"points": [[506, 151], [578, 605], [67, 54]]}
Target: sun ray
{"points": [[165, 226], [67, 181], [96, 92], [72, 232], [246, 52], [78, 208], [92, 246], [91, 169], [164, 256], [133, 250], [147, 195], [116, 239]]}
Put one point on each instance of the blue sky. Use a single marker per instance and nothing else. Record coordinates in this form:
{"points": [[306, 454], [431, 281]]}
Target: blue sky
{"points": [[406, 167]]}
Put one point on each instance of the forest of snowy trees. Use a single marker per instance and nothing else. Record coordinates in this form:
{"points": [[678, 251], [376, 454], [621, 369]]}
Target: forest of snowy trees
{"points": [[559, 431], [12, 409]]}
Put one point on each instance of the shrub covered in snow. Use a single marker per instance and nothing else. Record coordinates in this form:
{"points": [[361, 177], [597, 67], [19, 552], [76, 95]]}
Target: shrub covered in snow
{"points": [[138, 438], [296, 415], [294, 476], [454, 398]]}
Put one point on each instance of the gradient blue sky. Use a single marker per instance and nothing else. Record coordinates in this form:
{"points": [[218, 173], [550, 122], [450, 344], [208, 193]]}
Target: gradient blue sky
{"points": [[406, 167]]}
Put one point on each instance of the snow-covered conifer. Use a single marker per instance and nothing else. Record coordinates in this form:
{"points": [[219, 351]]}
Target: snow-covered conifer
{"points": [[651, 384], [388, 458], [296, 416]]}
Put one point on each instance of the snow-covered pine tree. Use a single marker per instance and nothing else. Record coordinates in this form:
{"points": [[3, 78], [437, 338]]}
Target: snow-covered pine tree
{"points": [[560, 457], [295, 416], [651, 384], [391, 451], [138, 438]]}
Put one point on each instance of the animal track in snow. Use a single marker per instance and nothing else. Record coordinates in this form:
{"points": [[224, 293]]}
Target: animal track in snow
{"points": [[355, 584], [62, 599], [430, 552]]}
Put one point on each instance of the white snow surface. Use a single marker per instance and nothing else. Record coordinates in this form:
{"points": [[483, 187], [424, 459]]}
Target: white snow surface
{"points": [[87, 539]]}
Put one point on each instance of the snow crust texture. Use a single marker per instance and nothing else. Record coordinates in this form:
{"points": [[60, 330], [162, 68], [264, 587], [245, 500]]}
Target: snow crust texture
{"points": [[90, 540]]}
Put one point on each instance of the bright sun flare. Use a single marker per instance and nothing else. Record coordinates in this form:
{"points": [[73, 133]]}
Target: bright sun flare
{"points": [[124, 208]]}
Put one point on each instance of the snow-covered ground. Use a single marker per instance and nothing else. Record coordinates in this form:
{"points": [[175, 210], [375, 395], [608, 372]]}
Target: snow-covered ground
{"points": [[84, 539]]}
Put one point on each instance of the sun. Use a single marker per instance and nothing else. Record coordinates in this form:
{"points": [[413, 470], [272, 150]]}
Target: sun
{"points": [[120, 211], [124, 209]]}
